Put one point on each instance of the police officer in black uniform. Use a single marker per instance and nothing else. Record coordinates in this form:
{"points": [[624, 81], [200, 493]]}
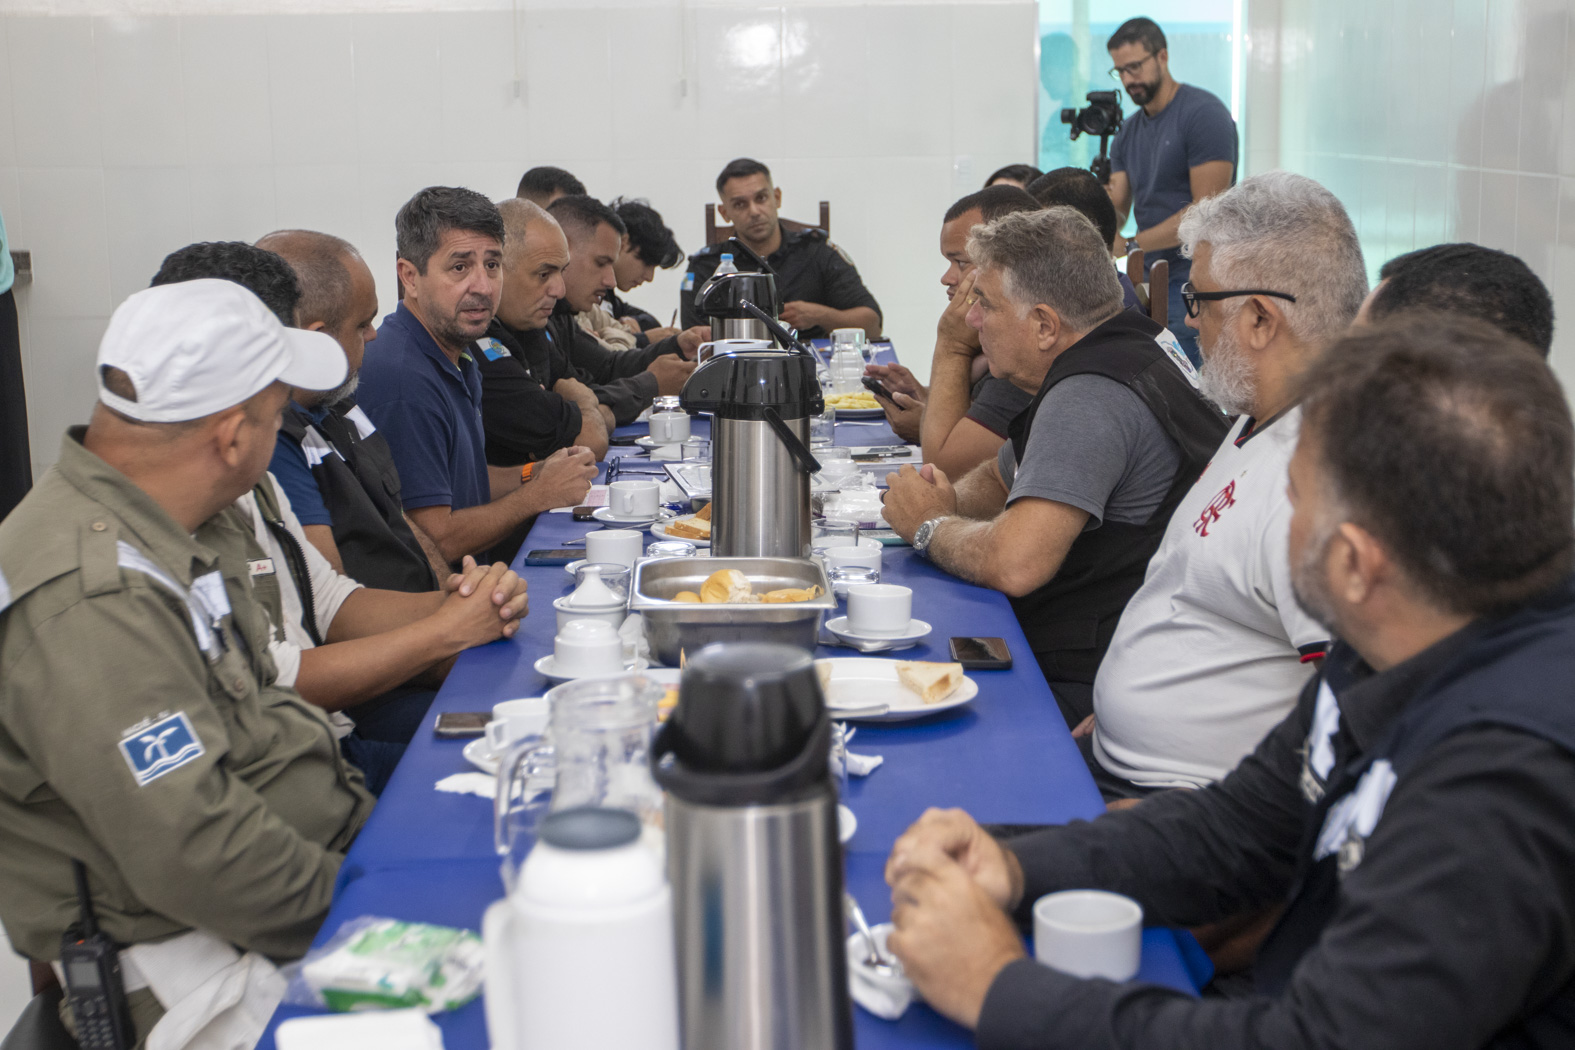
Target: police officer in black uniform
{"points": [[817, 283]]}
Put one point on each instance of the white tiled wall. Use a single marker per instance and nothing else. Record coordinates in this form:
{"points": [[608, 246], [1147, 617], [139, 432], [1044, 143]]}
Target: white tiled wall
{"points": [[125, 136], [1433, 120]]}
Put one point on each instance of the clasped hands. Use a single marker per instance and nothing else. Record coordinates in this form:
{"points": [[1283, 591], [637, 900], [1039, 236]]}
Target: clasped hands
{"points": [[913, 497], [951, 887], [466, 594]]}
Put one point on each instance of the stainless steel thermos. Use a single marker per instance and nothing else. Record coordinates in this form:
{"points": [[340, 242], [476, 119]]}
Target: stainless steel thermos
{"points": [[753, 855]]}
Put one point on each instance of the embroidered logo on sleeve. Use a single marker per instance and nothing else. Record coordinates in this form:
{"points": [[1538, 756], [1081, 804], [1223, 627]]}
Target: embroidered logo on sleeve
{"points": [[160, 747], [689, 281], [493, 350]]}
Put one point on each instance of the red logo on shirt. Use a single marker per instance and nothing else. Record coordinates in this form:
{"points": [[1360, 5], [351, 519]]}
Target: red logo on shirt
{"points": [[1211, 513]]}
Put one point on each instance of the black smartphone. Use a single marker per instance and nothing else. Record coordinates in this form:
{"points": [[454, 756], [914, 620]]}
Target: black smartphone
{"points": [[560, 556], [584, 514], [876, 387], [624, 440], [982, 654], [453, 724]]}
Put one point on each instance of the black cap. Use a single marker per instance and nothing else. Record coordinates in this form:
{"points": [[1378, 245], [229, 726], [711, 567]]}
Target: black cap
{"points": [[590, 828]]}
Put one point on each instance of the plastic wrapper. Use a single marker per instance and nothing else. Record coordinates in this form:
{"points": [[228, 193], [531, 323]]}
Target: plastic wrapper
{"points": [[385, 964]]}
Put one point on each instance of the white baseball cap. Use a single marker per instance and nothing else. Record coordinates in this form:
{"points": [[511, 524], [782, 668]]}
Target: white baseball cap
{"points": [[198, 347]]}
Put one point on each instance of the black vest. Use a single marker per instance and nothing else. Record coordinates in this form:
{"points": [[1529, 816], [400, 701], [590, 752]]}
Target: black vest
{"points": [[354, 470], [1516, 672], [1070, 620]]}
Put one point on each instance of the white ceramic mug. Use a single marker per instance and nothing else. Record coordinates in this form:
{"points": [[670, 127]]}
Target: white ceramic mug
{"points": [[617, 546], [587, 647], [880, 610], [669, 428], [1089, 933], [629, 499], [514, 720]]}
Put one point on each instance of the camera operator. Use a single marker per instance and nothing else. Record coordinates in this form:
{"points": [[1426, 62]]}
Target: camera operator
{"points": [[1179, 148]]}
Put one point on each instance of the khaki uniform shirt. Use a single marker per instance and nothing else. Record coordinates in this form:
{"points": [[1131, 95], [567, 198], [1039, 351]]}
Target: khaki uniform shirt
{"points": [[142, 732]]}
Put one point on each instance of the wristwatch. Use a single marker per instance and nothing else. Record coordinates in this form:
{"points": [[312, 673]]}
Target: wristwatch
{"points": [[924, 533]]}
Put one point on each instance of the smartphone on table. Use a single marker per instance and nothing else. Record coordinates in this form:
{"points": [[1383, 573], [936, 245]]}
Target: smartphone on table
{"points": [[981, 654], [558, 556], [455, 724]]}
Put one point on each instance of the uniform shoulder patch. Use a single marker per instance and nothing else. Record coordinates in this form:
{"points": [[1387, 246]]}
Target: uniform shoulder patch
{"points": [[689, 281], [1172, 346], [159, 747], [492, 350]]}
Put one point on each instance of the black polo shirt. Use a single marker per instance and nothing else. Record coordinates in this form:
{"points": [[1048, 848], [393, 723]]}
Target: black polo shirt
{"points": [[808, 266], [523, 420]]}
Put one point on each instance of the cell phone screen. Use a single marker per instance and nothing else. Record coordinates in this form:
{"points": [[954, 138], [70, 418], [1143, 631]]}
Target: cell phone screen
{"points": [[981, 653], [462, 723]]}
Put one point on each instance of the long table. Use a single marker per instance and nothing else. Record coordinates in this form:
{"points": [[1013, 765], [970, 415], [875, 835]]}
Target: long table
{"points": [[1007, 758]]}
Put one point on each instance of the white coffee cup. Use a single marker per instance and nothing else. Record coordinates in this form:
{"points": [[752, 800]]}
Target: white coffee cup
{"points": [[587, 647], [669, 428], [618, 546], [881, 610], [1089, 933], [514, 720], [861, 555], [629, 499]]}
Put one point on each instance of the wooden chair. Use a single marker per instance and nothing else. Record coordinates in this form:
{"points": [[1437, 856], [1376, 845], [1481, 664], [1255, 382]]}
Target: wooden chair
{"points": [[1158, 281], [715, 234]]}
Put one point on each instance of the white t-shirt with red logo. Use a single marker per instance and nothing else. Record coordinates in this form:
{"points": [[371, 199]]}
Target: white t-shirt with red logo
{"points": [[1213, 649]]}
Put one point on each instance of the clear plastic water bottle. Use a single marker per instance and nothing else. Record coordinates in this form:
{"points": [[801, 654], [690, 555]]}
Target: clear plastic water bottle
{"points": [[727, 264]]}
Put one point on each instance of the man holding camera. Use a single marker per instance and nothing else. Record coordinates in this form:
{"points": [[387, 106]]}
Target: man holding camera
{"points": [[1180, 147]]}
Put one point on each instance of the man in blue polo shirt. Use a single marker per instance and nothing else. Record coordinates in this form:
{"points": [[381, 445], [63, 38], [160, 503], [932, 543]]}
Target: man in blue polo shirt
{"points": [[1178, 148], [421, 387]]}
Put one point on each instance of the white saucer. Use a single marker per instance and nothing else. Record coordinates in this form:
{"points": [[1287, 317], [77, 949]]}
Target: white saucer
{"points": [[847, 823], [545, 667], [605, 515], [659, 529], [479, 754], [652, 443], [917, 631]]}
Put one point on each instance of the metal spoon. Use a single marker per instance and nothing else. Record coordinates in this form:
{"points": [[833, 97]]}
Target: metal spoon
{"points": [[874, 959]]}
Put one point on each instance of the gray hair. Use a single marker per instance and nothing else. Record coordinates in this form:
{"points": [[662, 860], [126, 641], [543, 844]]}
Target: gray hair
{"points": [[1286, 233], [1052, 256], [519, 215]]}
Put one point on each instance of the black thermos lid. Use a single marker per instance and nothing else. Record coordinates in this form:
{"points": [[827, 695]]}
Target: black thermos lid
{"points": [[750, 726]]}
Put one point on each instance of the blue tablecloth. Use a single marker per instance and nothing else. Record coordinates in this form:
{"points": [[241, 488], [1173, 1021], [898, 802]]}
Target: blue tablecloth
{"points": [[1006, 758]]}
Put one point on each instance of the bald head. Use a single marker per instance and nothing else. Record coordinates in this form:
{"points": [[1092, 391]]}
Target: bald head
{"points": [[535, 253], [338, 296]]}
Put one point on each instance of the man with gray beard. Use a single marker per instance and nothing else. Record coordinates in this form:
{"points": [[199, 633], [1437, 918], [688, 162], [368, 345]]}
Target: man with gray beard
{"points": [[331, 462], [1213, 649]]}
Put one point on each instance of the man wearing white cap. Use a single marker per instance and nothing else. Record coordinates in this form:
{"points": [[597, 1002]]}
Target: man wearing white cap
{"points": [[141, 727]]}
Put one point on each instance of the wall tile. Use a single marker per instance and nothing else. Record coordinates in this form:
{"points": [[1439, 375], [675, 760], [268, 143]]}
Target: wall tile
{"points": [[397, 63], [139, 90], [1431, 194], [1466, 195], [1536, 223], [53, 91], [825, 81], [148, 212], [311, 83], [233, 202], [1501, 130], [911, 115], [1468, 80], [1566, 138], [992, 57], [64, 226], [655, 112], [1497, 228], [1543, 76], [568, 85], [60, 395], [225, 77], [1563, 286], [318, 197], [483, 118], [7, 125], [739, 78]]}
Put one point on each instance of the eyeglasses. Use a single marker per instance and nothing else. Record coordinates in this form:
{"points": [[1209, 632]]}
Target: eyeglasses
{"points": [[1192, 297], [1131, 69]]}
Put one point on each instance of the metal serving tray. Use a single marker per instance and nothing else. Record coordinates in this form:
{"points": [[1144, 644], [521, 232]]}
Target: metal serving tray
{"points": [[673, 627]]}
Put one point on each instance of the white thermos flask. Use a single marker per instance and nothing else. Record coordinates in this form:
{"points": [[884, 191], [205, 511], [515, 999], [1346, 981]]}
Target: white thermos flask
{"points": [[580, 955]]}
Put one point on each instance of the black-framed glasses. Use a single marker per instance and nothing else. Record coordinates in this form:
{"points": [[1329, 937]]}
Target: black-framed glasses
{"points": [[1192, 297], [1131, 69]]}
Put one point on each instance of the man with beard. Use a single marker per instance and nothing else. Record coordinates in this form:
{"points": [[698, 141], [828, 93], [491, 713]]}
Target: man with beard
{"points": [[625, 381], [1180, 147], [817, 284], [1212, 650], [1065, 518], [421, 387], [331, 462], [1414, 814]]}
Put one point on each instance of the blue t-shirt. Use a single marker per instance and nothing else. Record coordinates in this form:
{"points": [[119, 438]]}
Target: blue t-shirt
{"points": [[1158, 154], [291, 470], [429, 411]]}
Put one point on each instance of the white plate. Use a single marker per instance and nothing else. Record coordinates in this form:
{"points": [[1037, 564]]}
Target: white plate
{"points": [[862, 682], [546, 668], [650, 442], [479, 754], [847, 823], [916, 632], [660, 530], [605, 515]]}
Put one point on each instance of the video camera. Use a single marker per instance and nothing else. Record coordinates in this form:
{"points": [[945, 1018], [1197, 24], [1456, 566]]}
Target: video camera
{"points": [[1102, 117]]}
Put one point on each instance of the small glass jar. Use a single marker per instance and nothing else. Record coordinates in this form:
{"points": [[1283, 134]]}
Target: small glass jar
{"points": [[671, 549], [834, 532], [844, 576], [666, 403]]}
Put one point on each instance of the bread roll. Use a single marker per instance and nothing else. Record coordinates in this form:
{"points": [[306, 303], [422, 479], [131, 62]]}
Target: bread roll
{"points": [[725, 585]]}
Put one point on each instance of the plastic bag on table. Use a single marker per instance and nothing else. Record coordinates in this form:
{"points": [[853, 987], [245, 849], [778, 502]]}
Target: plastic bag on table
{"points": [[382, 964]]}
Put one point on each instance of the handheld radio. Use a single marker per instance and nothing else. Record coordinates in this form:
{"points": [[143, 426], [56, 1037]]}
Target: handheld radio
{"points": [[94, 989]]}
